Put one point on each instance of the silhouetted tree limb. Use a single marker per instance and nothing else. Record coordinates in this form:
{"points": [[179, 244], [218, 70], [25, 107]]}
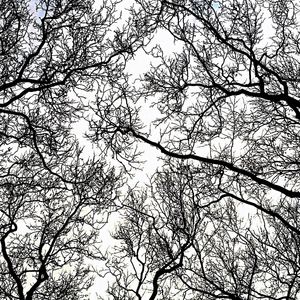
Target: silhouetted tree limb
{"points": [[55, 198], [187, 240], [227, 106]]}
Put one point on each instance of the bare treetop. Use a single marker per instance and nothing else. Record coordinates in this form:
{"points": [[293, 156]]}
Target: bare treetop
{"points": [[219, 218]]}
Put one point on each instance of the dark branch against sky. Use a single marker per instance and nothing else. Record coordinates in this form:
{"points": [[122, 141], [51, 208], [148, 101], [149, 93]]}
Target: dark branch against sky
{"points": [[172, 126]]}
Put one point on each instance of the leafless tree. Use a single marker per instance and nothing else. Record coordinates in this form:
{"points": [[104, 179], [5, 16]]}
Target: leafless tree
{"points": [[227, 101], [227, 105], [183, 239], [50, 229], [54, 199], [229, 98]]}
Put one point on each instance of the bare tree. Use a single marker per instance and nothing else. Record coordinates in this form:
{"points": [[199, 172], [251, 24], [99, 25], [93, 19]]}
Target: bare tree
{"points": [[55, 197], [227, 101], [227, 106], [51, 58], [187, 240], [229, 98], [50, 229]]}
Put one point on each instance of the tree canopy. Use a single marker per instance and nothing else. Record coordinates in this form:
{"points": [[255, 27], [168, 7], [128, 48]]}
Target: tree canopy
{"points": [[219, 217]]}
